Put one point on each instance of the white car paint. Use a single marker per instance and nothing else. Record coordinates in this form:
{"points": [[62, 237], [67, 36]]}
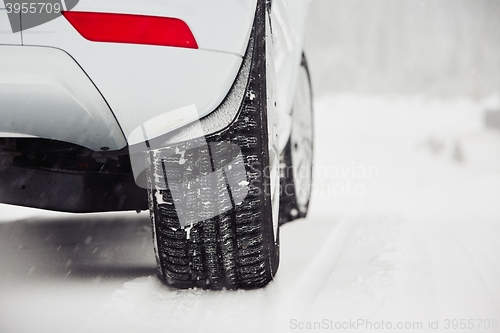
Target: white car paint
{"points": [[217, 25], [142, 82], [44, 93]]}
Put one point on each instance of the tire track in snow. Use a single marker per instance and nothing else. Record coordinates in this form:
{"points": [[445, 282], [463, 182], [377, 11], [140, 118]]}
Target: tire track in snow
{"points": [[486, 269], [460, 285], [310, 283]]}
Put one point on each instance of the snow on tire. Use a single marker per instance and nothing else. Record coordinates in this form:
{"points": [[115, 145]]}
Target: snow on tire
{"points": [[213, 222]]}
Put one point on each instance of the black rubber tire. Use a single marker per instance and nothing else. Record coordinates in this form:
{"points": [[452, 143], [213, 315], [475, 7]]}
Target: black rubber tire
{"points": [[289, 209], [235, 249]]}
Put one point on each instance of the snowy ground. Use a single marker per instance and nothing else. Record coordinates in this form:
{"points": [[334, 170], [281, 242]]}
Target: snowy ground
{"points": [[403, 230]]}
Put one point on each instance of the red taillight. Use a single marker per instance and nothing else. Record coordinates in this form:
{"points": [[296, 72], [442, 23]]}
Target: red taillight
{"points": [[132, 29]]}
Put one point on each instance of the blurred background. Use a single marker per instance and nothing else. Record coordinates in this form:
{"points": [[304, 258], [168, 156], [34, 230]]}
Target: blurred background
{"points": [[439, 48]]}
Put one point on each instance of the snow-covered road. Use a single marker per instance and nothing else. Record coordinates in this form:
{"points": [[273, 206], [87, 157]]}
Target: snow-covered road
{"points": [[403, 234]]}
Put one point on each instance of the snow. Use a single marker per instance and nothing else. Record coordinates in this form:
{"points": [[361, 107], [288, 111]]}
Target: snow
{"points": [[410, 237]]}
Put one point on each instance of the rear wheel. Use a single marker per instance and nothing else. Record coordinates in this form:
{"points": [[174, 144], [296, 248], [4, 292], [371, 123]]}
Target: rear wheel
{"points": [[296, 159], [213, 223]]}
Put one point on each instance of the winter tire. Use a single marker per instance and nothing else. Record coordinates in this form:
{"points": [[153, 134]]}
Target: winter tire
{"points": [[223, 243]]}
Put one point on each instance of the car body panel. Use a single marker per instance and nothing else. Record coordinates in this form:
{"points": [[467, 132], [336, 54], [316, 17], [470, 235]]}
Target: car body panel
{"points": [[142, 82], [218, 25], [45, 94]]}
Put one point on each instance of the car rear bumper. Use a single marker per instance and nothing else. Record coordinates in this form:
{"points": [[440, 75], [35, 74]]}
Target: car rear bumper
{"points": [[45, 94]]}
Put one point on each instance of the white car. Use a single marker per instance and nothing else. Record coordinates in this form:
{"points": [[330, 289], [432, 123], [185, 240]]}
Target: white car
{"points": [[199, 111]]}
